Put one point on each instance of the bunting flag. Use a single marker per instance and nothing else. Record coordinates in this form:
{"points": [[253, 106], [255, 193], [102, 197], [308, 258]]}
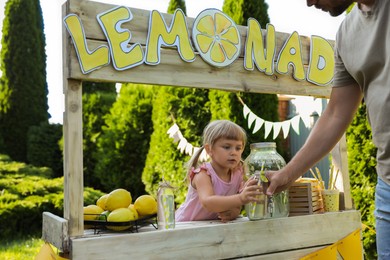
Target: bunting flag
{"points": [[183, 145], [47, 253], [272, 126], [350, 247]]}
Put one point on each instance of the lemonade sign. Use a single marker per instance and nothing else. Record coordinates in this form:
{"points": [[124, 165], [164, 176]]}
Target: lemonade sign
{"points": [[215, 38]]}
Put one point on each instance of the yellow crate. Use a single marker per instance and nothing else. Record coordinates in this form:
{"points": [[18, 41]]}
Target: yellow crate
{"points": [[305, 197]]}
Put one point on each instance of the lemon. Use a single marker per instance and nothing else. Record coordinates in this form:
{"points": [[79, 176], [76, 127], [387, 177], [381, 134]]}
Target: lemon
{"points": [[119, 198], [91, 212], [101, 202], [145, 205], [132, 208], [121, 215], [216, 37]]}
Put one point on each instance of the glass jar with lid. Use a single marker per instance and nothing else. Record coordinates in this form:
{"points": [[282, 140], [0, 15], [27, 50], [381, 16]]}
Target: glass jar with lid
{"points": [[264, 157]]}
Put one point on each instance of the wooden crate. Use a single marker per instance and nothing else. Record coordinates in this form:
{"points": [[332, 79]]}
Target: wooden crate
{"points": [[305, 198]]}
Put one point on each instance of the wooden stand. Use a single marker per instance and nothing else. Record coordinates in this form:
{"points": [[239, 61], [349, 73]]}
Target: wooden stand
{"points": [[285, 238]]}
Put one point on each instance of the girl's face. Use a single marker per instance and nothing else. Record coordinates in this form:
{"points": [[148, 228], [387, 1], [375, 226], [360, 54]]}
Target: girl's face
{"points": [[226, 153]]}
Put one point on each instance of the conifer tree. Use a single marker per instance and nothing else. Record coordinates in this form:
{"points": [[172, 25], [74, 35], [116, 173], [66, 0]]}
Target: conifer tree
{"points": [[225, 105], [97, 101], [124, 141], [23, 87], [188, 108]]}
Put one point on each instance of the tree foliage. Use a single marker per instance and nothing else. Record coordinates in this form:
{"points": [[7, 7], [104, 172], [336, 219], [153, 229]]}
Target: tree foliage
{"points": [[226, 105], [44, 147], [175, 4], [363, 176], [124, 142], [23, 88], [97, 101], [188, 107]]}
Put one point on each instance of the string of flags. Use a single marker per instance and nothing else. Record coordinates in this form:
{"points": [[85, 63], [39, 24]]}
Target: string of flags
{"points": [[269, 126], [183, 145]]}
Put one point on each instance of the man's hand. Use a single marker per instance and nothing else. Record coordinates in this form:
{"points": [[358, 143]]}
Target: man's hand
{"points": [[278, 181]]}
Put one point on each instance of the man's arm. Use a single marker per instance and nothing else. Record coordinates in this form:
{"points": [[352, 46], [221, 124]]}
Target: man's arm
{"points": [[343, 104]]}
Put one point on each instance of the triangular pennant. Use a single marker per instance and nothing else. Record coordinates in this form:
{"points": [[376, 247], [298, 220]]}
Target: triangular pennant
{"points": [[277, 126], [173, 129], [203, 156], [251, 118], [177, 136], [350, 247], [295, 123], [182, 145], [189, 149], [268, 127], [306, 120], [329, 252], [246, 111], [286, 128], [258, 124]]}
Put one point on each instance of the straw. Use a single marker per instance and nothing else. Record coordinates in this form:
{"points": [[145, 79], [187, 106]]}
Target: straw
{"points": [[330, 182], [318, 177], [335, 178], [258, 184]]}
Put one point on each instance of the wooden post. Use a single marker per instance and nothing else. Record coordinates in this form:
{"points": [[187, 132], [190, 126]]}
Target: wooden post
{"points": [[73, 145]]}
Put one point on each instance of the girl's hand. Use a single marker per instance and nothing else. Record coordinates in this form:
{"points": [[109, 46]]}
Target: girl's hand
{"points": [[229, 215], [250, 192]]}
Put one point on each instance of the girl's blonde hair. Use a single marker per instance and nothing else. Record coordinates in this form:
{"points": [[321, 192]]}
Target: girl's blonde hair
{"points": [[213, 131]]}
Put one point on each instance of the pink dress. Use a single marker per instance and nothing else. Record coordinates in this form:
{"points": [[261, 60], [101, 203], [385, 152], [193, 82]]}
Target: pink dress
{"points": [[192, 209]]}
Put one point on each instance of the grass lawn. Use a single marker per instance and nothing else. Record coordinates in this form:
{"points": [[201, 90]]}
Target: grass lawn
{"points": [[20, 249]]}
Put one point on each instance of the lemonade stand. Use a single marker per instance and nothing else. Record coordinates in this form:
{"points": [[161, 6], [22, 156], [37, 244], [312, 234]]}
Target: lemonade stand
{"points": [[122, 44]]}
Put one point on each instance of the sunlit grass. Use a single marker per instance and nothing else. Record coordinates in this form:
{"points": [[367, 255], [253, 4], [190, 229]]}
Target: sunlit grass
{"points": [[20, 249]]}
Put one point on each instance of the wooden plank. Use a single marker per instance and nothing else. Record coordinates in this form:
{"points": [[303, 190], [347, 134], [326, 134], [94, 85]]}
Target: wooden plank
{"points": [[173, 71], [88, 10], [217, 240], [73, 149], [55, 231]]}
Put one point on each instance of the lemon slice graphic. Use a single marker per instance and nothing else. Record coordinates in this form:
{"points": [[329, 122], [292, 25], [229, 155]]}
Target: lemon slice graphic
{"points": [[216, 37]]}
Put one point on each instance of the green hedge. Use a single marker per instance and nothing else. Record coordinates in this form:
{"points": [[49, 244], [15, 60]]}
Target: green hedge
{"points": [[363, 176], [25, 193]]}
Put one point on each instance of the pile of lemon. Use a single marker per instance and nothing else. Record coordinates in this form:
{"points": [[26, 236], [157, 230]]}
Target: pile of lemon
{"points": [[117, 206]]}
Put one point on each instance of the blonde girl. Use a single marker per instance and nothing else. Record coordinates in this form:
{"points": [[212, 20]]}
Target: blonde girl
{"points": [[216, 189]]}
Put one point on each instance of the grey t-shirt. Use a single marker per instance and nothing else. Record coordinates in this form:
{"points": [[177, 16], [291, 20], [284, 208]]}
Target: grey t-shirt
{"points": [[362, 55]]}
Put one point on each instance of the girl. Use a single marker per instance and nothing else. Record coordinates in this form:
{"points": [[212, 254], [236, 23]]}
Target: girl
{"points": [[216, 188]]}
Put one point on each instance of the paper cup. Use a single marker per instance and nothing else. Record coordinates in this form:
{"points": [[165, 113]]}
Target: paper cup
{"points": [[331, 200]]}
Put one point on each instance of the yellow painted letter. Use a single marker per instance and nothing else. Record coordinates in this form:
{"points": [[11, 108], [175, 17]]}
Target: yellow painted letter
{"points": [[89, 60], [255, 52], [177, 35], [321, 63], [291, 54], [123, 55]]}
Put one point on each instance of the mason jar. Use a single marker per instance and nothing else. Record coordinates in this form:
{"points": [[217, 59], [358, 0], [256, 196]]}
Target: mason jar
{"points": [[264, 157], [165, 206]]}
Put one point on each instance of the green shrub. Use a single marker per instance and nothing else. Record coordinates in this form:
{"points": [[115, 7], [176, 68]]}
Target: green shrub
{"points": [[363, 176], [43, 147], [25, 193]]}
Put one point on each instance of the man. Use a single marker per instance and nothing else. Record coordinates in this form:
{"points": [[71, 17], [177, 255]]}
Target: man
{"points": [[362, 69]]}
